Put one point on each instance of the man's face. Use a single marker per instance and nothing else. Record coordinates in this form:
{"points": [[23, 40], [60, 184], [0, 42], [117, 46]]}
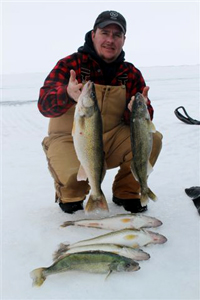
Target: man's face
{"points": [[108, 42]]}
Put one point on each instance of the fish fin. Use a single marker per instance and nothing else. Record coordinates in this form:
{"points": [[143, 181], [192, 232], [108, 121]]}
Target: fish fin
{"points": [[149, 168], [133, 171], [104, 171], [96, 204], [147, 116], [38, 276], [67, 223], [110, 271], [135, 246], [152, 127], [73, 129], [151, 195], [144, 199], [61, 250], [81, 174]]}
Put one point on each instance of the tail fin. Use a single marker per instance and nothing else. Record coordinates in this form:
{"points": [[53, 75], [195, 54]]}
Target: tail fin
{"points": [[38, 276], [96, 204], [67, 223], [145, 197], [61, 250], [151, 195]]}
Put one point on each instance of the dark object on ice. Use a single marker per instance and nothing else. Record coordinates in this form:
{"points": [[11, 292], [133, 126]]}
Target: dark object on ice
{"points": [[197, 203], [71, 207], [132, 205], [187, 119], [194, 192]]}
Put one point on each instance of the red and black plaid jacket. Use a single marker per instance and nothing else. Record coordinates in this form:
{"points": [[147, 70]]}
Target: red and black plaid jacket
{"points": [[54, 100]]}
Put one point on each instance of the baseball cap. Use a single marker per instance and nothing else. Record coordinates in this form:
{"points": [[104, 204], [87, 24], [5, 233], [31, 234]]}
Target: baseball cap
{"points": [[110, 17]]}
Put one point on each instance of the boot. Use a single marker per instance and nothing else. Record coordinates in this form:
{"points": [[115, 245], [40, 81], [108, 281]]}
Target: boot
{"points": [[71, 207], [132, 205]]}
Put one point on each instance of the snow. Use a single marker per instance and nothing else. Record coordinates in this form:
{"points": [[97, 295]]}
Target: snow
{"points": [[31, 220]]}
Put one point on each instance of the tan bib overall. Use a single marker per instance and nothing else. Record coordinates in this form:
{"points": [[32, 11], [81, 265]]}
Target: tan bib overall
{"points": [[62, 159]]}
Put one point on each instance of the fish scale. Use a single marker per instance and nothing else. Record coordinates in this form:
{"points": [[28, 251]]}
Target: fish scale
{"points": [[136, 254], [88, 261], [126, 237], [141, 144], [88, 145], [117, 222]]}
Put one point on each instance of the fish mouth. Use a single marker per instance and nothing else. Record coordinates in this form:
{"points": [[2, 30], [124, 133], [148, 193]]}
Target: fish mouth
{"points": [[133, 268], [140, 99], [140, 104], [88, 95], [138, 96], [155, 223], [93, 92], [86, 88], [157, 238]]}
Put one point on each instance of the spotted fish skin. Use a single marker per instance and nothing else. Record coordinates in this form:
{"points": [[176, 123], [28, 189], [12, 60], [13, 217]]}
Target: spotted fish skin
{"points": [[142, 130], [87, 261], [87, 135]]}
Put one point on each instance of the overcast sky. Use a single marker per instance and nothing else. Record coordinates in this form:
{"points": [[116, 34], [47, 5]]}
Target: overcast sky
{"points": [[35, 35]]}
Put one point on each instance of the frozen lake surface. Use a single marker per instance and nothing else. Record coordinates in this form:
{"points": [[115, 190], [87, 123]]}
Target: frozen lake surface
{"points": [[31, 220]]}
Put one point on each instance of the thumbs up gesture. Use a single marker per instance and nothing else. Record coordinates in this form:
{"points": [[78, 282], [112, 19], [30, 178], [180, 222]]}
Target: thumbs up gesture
{"points": [[74, 88]]}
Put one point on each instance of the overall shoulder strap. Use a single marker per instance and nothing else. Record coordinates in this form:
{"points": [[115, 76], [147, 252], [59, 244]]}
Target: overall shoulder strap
{"points": [[85, 71]]}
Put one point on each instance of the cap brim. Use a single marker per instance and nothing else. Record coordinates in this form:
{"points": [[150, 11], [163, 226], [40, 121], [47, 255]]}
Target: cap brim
{"points": [[104, 24]]}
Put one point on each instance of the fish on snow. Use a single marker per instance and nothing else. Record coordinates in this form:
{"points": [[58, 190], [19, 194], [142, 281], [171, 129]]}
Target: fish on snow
{"points": [[126, 237], [88, 261], [135, 254], [117, 222]]}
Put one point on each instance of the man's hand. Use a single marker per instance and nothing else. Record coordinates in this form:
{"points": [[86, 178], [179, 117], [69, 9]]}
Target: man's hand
{"points": [[74, 88], [144, 94]]}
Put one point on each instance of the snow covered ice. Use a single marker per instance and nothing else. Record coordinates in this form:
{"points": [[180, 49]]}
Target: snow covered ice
{"points": [[31, 220]]}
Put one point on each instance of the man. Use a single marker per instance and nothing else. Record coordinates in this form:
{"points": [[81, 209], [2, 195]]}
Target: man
{"points": [[100, 60]]}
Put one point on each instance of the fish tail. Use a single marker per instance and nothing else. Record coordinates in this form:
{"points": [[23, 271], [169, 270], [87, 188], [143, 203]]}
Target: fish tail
{"points": [[38, 276], [96, 204], [67, 223], [146, 195], [144, 199], [151, 195]]}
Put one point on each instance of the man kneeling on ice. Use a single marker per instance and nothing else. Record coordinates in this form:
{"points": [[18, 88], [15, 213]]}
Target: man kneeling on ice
{"points": [[101, 60]]}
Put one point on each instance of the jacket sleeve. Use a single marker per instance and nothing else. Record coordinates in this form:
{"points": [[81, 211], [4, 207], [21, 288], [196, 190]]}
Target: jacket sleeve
{"points": [[137, 84], [53, 98]]}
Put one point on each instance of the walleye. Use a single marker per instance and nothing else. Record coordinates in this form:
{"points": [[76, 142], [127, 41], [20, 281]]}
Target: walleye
{"points": [[125, 237], [135, 254], [88, 261], [117, 222], [141, 143], [88, 142]]}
